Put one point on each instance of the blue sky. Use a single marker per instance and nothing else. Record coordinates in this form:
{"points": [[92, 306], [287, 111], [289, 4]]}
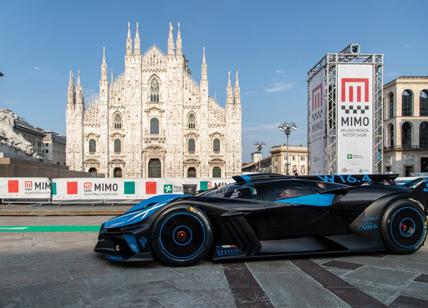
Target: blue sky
{"points": [[272, 43]]}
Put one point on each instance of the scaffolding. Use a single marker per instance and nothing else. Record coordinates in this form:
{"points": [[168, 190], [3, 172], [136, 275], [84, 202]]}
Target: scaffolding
{"points": [[349, 55]]}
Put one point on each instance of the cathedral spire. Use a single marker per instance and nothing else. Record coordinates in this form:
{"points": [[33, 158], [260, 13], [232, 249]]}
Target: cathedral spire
{"points": [[171, 41], [104, 66], [204, 69], [70, 92], [71, 82], [179, 44], [237, 89], [79, 92], [229, 98], [78, 87], [129, 41], [137, 47]]}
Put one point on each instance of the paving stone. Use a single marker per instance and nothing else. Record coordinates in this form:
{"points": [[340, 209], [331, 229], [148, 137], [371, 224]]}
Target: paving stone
{"points": [[422, 278], [342, 264], [405, 301], [289, 286]]}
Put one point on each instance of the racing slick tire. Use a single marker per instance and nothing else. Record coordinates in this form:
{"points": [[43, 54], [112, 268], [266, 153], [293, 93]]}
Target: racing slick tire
{"points": [[181, 236], [404, 227]]}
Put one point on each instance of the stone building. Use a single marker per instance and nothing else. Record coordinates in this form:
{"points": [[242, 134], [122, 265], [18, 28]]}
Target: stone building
{"points": [[406, 125], [154, 120], [20, 139], [297, 159], [54, 148]]}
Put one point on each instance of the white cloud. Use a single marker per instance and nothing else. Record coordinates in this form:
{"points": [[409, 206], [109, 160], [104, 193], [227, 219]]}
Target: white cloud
{"points": [[280, 71], [279, 87], [37, 68]]}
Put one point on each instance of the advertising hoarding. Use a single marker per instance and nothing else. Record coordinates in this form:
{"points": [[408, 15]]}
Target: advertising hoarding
{"points": [[317, 123], [355, 118], [25, 188]]}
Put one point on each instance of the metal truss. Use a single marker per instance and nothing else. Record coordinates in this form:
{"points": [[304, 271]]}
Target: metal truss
{"points": [[330, 63]]}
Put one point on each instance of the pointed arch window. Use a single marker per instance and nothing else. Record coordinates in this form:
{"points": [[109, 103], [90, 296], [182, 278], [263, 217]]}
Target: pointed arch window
{"points": [[191, 146], [92, 146], [191, 121], [117, 121], [117, 146], [154, 90], [423, 103], [216, 145], [154, 126], [407, 103]]}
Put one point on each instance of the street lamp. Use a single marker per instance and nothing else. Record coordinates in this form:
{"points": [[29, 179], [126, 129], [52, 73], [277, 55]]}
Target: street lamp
{"points": [[259, 145], [287, 128]]}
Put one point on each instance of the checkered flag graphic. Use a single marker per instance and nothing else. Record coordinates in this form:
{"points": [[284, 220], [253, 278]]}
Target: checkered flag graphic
{"points": [[355, 109], [317, 115]]}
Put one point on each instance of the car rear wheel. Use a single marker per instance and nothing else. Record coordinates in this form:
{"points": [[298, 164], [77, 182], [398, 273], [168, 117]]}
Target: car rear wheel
{"points": [[181, 236], [404, 227]]}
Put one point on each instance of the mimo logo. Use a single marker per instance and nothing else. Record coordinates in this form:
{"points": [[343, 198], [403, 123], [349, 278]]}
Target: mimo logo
{"points": [[354, 90], [87, 186], [28, 185]]}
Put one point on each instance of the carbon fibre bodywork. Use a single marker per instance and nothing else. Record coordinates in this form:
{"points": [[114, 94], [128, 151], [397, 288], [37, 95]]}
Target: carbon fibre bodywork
{"points": [[319, 218]]}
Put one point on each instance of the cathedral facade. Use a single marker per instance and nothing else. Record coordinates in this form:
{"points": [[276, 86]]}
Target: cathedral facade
{"points": [[154, 120]]}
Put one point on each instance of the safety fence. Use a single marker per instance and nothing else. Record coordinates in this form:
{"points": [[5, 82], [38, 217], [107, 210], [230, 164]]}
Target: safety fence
{"points": [[98, 190]]}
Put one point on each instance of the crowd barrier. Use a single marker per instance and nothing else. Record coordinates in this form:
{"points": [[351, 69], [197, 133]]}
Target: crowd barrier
{"points": [[100, 189]]}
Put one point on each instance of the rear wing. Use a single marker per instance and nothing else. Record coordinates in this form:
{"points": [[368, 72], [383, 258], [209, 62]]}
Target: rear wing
{"points": [[348, 179]]}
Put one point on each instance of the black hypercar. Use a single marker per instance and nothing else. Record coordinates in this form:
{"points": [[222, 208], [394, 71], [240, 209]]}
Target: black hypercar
{"points": [[268, 215]]}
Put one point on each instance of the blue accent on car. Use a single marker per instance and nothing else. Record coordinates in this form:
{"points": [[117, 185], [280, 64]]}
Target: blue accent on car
{"points": [[426, 186], [143, 241], [246, 178], [141, 211], [312, 200], [132, 242], [153, 200], [227, 251], [169, 253], [114, 258]]}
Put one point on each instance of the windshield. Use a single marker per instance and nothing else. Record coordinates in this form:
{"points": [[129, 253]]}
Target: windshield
{"points": [[231, 191]]}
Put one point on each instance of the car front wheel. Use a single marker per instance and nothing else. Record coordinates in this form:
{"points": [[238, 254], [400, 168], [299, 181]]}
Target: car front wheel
{"points": [[181, 236]]}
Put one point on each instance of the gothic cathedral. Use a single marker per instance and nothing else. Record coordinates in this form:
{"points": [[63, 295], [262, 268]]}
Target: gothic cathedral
{"points": [[154, 120]]}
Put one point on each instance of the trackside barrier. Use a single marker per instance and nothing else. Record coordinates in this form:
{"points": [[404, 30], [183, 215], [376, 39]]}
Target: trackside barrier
{"points": [[105, 189], [98, 190], [31, 189]]}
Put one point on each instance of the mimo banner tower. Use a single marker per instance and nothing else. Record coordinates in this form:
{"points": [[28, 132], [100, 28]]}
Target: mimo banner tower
{"points": [[345, 113]]}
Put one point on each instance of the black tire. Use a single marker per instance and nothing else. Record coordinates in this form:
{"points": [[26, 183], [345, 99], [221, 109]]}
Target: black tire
{"points": [[181, 236], [404, 227]]}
